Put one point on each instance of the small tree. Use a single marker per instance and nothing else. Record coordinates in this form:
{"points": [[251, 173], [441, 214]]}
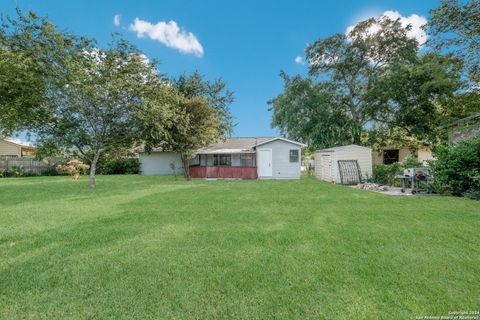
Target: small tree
{"points": [[197, 126], [74, 168]]}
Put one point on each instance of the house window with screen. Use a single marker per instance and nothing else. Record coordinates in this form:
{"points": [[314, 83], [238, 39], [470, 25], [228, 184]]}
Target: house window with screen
{"points": [[294, 155], [246, 160], [222, 160], [390, 156]]}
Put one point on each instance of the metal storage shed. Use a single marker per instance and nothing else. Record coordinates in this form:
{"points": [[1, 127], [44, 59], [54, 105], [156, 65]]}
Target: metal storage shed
{"points": [[328, 162]]}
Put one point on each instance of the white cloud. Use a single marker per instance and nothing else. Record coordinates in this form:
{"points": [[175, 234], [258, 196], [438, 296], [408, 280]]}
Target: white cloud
{"points": [[169, 34], [116, 20], [414, 20], [299, 60]]}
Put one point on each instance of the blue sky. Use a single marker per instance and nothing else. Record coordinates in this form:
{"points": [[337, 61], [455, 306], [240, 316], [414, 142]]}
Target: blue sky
{"points": [[245, 42]]}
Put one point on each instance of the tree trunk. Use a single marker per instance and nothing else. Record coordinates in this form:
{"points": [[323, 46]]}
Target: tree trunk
{"points": [[186, 167], [93, 167], [357, 135]]}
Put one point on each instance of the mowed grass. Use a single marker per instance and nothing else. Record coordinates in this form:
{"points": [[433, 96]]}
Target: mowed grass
{"points": [[152, 247]]}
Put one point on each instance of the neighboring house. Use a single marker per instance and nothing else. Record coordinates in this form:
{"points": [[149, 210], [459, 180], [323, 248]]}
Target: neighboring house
{"points": [[391, 155], [464, 129], [15, 149], [237, 158]]}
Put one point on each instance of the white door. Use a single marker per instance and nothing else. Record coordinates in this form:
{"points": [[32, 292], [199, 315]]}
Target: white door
{"points": [[264, 162], [326, 162]]}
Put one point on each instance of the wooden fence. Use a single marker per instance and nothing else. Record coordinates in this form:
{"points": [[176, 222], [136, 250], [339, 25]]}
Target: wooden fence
{"points": [[28, 165]]}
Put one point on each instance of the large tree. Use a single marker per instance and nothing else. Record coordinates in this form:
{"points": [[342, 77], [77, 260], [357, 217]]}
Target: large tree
{"points": [[371, 83], [306, 111], [192, 114], [215, 93], [343, 68], [95, 110], [33, 53], [455, 27], [411, 100]]}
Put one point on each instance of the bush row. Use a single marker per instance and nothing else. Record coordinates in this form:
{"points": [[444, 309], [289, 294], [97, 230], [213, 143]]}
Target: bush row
{"points": [[385, 173], [105, 166]]}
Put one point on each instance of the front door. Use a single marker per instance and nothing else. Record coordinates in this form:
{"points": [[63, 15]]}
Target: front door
{"points": [[264, 162]]}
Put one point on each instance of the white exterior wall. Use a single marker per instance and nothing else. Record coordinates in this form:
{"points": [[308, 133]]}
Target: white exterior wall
{"points": [[361, 154], [320, 166], [10, 149], [282, 168], [158, 163]]}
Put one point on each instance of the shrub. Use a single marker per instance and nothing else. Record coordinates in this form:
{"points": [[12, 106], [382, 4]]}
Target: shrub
{"points": [[456, 169], [119, 166], [411, 161], [11, 172], [385, 173], [74, 168]]}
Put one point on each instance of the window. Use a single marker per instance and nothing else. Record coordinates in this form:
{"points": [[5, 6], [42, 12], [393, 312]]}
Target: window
{"points": [[294, 155], [222, 160], [390, 156], [196, 161], [246, 160]]}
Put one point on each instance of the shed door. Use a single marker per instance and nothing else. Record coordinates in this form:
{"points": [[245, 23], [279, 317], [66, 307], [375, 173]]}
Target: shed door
{"points": [[264, 162], [326, 161]]}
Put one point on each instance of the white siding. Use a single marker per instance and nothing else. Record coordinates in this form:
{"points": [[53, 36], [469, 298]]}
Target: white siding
{"points": [[324, 162], [10, 149], [361, 154], [158, 163], [282, 168]]}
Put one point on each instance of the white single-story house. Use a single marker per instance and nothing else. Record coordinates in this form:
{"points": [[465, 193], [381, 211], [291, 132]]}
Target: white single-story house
{"points": [[15, 149], [236, 158], [328, 163]]}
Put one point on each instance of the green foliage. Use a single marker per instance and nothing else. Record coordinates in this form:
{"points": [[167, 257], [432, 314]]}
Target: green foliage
{"points": [[454, 26], [118, 166], [385, 173], [456, 169], [33, 58], [215, 93], [192, 114], [411, 161], [11, 172], [306, 112], [414, 98]]}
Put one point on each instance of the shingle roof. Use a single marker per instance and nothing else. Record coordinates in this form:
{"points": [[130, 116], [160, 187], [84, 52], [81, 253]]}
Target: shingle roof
{"points": [[228, 145], [231, 145]]}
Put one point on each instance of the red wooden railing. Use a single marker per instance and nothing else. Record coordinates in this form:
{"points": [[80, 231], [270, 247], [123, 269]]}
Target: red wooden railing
{"points": [[223, 172]]}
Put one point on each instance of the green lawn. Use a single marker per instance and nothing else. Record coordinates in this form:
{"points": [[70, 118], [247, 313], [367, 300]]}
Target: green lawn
{"points": [[153, 247]]}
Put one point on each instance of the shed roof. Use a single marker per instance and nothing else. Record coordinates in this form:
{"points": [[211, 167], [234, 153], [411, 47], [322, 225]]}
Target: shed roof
{"points": [[343, 147]]}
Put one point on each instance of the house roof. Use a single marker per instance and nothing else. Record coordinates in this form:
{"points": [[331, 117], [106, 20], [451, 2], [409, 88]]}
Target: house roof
{"points": [[231, 145], [472, 117], [234, 145], [343, 147], [283, 139], [19, 143]]}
